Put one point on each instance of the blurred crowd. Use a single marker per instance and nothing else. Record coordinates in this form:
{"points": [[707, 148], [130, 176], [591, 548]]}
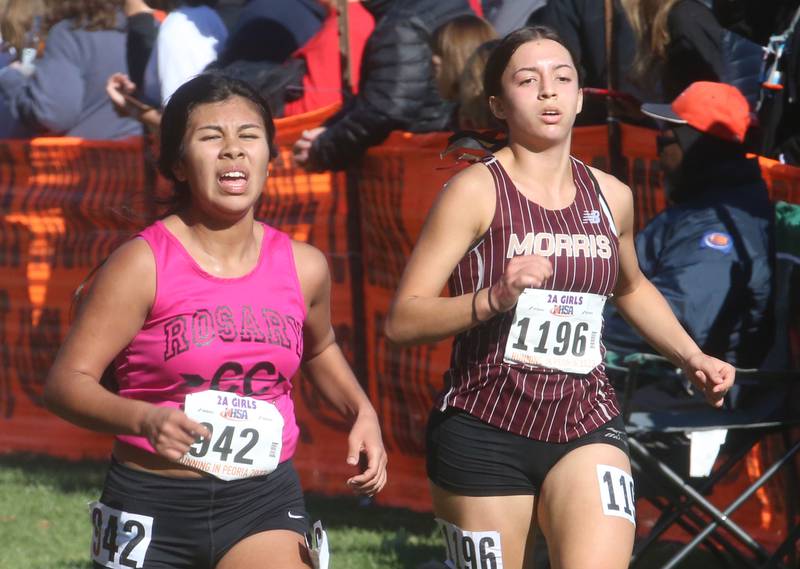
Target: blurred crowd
{"points": [[103, 69]]}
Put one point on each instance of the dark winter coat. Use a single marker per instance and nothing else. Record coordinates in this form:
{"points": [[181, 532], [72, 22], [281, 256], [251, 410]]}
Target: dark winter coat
{"points": [[397, 90]]}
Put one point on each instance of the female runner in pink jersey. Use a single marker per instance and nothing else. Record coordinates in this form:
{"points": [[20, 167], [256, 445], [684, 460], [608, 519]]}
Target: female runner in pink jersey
{"points": [[206, 317], [526, 436]]}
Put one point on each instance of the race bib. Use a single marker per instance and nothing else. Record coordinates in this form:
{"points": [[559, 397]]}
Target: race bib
{"points": [[119, 539], [246, 435], [318, 547], [616, 492], [557, 330], [471, 549]]}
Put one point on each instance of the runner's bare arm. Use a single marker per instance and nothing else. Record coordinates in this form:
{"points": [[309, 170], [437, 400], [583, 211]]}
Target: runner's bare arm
{"points": [[325, 365], [460, 215], [111, 315], [646, 309], [323, 360]]}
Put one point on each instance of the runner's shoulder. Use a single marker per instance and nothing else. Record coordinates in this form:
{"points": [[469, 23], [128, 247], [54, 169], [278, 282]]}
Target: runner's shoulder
{"points": [[133, 259], [473, 186], [475, 178], [311, 265], [617, 193], [611, 186]]}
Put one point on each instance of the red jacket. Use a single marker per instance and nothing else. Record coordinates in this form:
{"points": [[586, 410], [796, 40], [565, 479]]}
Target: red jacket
{"points": [[322, 84]]}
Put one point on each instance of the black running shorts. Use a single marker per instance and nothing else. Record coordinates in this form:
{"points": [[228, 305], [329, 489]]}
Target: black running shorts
{"points": [[469, 457], [152, 522]]}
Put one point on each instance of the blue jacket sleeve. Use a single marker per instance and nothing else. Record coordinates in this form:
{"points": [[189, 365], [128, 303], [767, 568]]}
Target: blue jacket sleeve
{"points": [[696, 281], [51, 99], [650, 242]]}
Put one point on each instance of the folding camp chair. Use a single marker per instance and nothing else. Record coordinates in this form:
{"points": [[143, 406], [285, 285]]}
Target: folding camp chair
{"points": [[763, 405], [656, 404]]}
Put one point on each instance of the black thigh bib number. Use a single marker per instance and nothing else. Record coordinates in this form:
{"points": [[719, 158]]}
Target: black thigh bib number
{"points": [[119, 539], [471, 549], [616, 492]]}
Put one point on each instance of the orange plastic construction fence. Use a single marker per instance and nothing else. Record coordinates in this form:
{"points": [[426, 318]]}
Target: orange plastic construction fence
{"points": [[67, 203]]}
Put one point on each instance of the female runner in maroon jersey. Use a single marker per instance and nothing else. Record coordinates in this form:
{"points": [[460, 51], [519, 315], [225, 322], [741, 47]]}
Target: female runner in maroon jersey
{"points": [[526, 436]]}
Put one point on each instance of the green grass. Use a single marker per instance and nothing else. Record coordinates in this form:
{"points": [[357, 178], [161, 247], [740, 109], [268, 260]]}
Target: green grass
{"points": [[44, 521]]}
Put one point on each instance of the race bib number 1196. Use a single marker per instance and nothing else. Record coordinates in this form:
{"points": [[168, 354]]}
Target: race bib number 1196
{"points": [[556, 330]]}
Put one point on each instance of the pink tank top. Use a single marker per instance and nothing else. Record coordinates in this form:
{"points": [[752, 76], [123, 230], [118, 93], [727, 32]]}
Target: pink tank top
{"points": [[243, 335]]}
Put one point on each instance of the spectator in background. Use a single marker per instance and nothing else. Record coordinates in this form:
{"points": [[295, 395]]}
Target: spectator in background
{"points": [[581, 23], [779, 111], [143, 23], [453, 44], [272, 31], [509, 15], [16, 21], [755, 19], [473, 106], [7, 52], [681, 42], [65, 93], [189, 39], [396, 90], [322, 82], [6, 55], [709, 253], [229, 11]]}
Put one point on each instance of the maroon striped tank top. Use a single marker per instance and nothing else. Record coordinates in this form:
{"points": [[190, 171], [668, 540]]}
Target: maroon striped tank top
{"points": [[581, 243]]}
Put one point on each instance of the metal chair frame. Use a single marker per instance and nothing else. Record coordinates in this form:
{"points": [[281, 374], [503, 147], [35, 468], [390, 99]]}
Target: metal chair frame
{"points": [[687, 507]]}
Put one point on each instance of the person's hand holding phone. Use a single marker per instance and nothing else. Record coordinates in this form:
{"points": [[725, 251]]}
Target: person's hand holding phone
{"points": [[120, 89]]}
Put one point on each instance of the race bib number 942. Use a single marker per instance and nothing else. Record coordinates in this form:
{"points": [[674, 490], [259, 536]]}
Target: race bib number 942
{"points": [[119, 539], [557, 330], [246, 435]]}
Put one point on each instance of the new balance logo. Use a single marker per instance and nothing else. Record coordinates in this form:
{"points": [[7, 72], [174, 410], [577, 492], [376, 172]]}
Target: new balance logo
{"points": [[592, 217]]}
